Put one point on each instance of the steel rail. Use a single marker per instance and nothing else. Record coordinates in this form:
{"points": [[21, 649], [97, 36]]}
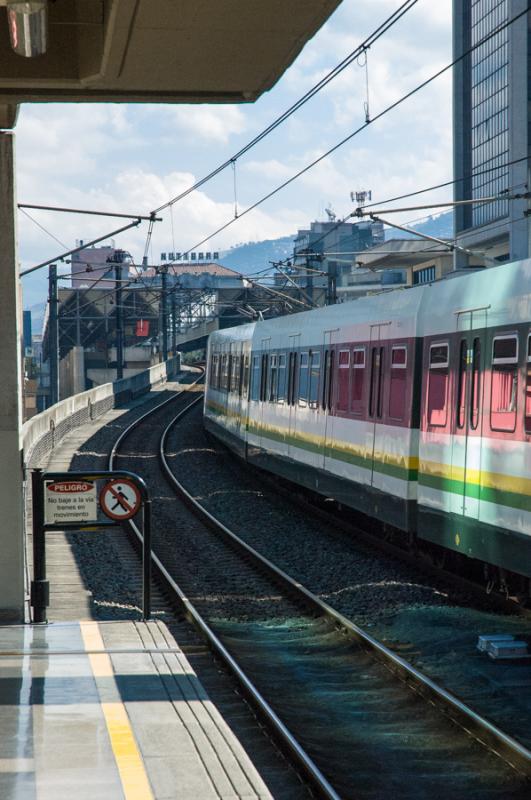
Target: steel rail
{"points": [[488, 734], [289, 742]]}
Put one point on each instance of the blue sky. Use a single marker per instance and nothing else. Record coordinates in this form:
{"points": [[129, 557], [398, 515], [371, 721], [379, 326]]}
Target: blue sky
{"points": [[133, 158]]}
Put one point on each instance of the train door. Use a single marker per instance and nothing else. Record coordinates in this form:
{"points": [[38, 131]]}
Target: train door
{"points": [[467, 427], [327, 391], [377, 367], [293, 394], [264, 396]]}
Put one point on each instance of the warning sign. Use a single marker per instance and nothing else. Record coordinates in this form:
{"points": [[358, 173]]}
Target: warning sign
{"points": [[70, 501], [120, 499]]}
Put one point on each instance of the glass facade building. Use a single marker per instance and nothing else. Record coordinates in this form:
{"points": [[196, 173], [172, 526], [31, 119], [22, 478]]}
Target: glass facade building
{"points": [[489, 140], [491, 125]]}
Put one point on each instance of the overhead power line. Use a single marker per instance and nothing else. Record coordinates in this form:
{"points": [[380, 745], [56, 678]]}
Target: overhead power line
{"points": [[337, 70], [362, 127]]}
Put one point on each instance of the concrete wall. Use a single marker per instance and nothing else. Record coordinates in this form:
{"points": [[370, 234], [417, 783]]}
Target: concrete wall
{"points": [[41, 433]]}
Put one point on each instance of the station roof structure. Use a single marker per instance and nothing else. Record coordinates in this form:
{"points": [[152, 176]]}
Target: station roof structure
{"points": [[396, 253], [191, 51]]}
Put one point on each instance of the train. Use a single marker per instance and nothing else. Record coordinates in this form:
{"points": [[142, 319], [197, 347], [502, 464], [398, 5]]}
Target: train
{"points": [[412, 406]]}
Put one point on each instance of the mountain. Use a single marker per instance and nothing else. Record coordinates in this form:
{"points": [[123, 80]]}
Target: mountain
{"points": [[440, 226], [255, 256]]}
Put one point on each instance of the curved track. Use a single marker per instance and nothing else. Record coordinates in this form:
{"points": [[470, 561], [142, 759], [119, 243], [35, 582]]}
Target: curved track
{"points": [[398, 727]]}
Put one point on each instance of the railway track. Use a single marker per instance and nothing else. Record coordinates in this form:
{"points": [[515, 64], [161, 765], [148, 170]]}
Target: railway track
{"points": [[358, 719]]}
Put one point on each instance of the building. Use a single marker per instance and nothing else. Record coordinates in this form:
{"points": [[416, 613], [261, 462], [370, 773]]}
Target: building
{"points": [[323, 253], [95, 266], [406, 262], [491, 129]]}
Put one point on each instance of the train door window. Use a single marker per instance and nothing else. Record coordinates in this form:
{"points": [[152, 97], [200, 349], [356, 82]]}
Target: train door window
{"points": [[343, 374], [245, 378], [265, 372], [377, 369], [273, 380], [292, 378], [315, 369], [281, 396], [438, 385], [303, 379], [213, 371], [235, 373], [224, 371], [504, 383], [397, 388], [461, 384], [255, 379], [476, 384], [240, 375], [528, 388], [326, 386], [357, 381]]}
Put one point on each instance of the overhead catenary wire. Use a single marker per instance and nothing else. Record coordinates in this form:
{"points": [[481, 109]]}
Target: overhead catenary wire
{"points": [[357, 131], [388, 23]]}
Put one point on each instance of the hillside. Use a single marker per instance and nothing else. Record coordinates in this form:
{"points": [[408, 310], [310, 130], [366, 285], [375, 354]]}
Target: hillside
{"points": [[255, 256]]}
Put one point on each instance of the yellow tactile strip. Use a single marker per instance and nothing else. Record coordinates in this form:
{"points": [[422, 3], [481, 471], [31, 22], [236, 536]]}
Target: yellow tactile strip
{"points": [[135, 782]]}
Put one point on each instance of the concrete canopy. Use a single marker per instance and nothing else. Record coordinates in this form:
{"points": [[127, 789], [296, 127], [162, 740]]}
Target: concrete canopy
{"points": [[160, 51]]}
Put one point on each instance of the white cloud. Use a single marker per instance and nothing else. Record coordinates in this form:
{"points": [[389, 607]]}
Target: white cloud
{"points": [[214, 124]]}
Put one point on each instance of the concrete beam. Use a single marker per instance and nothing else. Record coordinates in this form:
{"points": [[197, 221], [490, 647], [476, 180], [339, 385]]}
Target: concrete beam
{"points": [[11, 476], [8, 115]]}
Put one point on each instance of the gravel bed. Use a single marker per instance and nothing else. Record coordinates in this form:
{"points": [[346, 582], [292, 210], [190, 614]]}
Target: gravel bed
{"points": [[430, 624], [319, 682]]}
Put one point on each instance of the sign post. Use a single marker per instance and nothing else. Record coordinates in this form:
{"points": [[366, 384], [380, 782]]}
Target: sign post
{"points": [[69, 501]]}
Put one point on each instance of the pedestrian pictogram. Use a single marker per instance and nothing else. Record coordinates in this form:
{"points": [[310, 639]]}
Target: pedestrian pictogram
{"points": [[120, 499]]}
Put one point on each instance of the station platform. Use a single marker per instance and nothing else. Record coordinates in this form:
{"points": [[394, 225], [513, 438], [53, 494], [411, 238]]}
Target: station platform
{"points": [[111, 711]]}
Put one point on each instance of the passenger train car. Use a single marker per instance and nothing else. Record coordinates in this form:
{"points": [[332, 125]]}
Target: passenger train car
{"points": [[412, 406]]}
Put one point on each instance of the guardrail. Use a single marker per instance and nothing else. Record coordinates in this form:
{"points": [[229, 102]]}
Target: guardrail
{"points": [[42, 432]]}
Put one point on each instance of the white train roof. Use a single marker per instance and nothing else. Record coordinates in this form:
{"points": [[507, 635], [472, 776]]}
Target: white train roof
{"points": [[496, 296]]}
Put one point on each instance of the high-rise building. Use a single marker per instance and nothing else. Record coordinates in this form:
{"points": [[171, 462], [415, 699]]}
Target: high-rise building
{"points": [[491, 128]]}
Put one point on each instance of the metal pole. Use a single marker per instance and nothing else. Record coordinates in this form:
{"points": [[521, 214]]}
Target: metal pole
{"points": [[173, 324], [40, 588], [146, 561], [164, 301], [119, 323], [53, 335]]}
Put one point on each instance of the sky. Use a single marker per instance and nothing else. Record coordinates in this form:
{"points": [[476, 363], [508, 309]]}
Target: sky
{"points": [[132, 157]]}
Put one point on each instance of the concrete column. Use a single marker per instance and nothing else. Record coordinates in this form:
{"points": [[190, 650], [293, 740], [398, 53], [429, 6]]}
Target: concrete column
{"points": [[11, 511]]}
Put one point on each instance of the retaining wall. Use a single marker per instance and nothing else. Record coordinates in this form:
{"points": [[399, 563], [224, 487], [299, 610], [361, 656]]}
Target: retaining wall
{"points": [[41, 433]]}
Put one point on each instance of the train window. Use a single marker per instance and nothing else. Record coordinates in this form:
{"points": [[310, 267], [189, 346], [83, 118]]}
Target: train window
{"points": [[476, 384], [504, 383], [292, 378], [255, 379], [528, 388], [281, 378], [343, 374], [213, 370], [273, 380], [461, 384], [303, 379], [438, 385], [357, 380], [397, 389], [315, 369]]}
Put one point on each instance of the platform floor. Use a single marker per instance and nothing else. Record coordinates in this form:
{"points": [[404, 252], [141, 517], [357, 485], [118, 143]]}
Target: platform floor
{"points": [[111, 711]]}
